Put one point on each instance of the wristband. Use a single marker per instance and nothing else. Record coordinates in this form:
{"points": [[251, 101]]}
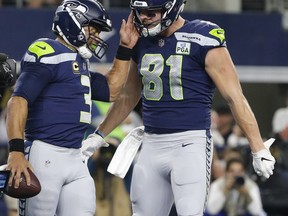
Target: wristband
{"points": [[124, 53], [16, 145], [99, 133]]}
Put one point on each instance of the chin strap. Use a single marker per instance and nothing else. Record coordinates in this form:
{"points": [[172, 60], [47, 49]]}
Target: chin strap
{"points": [[84, 52], [153, 31]]}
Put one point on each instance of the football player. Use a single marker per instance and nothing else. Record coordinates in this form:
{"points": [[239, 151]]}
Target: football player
{"points": [[51, 104], [176, 66]]}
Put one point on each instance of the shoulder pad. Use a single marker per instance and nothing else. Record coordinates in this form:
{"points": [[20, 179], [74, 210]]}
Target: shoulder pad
{"points": [[218, 33], [208, 29], [41, 48]]}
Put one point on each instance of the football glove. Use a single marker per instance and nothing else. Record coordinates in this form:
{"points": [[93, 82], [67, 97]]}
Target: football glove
{"points": [[263, 161], [91, 144]]}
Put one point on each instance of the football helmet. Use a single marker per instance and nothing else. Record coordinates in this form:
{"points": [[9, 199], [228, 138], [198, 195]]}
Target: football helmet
{"points": [[170, 12], [70, 19]]}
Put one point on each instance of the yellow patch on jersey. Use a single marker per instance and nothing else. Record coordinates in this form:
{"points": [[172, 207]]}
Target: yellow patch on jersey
{"points": [[41, 48], [219, 33], [75, 67]]}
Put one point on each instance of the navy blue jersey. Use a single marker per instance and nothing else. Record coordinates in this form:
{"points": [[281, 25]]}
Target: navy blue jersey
{"points": [[56, 83], [177, 91]]}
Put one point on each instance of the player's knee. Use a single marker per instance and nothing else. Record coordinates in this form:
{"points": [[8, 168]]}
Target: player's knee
{"points": [[188, 207]]}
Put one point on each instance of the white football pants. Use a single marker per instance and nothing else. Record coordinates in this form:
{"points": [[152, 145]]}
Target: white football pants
{"points": [[172, 168], [67, 187]]}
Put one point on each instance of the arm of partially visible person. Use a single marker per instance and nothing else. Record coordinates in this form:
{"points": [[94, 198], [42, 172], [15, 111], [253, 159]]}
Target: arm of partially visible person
{"points": [[117, 75], [221, 69], [17, 110], [217, 197]]}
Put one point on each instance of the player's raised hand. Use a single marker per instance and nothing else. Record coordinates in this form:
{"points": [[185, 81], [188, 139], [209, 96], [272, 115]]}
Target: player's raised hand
{"points": [[128, 33], [263, 161]]}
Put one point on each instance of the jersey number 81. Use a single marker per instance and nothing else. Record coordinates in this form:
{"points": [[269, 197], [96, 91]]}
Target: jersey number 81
{"points": [[152, 67]]}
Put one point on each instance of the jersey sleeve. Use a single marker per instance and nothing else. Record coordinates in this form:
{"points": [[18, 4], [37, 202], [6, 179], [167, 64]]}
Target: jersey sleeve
{"points": [[207, 36], [204, 36], [34, 74]]}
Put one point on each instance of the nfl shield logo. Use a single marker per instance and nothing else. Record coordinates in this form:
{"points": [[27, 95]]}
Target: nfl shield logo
{"points": [[161, 43]]}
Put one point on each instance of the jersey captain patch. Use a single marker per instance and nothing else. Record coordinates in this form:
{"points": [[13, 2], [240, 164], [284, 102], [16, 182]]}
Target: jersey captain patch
{"points": [[183, 48], [75, 67]]}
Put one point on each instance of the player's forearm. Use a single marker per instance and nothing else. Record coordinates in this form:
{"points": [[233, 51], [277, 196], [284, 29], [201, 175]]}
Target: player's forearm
{"points": [[126, 101], [17, 110], [221, 69], [118, 112], [116, 77], [245, 118]]}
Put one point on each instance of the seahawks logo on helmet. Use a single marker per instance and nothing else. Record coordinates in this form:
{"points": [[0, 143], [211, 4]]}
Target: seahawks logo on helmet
{"points": [[75, 5]]}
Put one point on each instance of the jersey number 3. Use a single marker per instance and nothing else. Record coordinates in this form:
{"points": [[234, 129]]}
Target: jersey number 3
{"points": [[152, 67], [85, 117]]}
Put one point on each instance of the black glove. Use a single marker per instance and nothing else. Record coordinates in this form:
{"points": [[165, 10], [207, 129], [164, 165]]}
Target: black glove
{"points": [[8, 74]]}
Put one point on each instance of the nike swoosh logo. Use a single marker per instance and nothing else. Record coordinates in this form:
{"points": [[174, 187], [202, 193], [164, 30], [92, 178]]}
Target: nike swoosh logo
{"points": [[186, 144], [262, 159], [41, 47]]}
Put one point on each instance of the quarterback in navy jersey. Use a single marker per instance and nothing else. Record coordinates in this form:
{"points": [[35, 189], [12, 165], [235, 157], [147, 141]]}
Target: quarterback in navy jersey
{"points": [[175, 68], [52, 102]]}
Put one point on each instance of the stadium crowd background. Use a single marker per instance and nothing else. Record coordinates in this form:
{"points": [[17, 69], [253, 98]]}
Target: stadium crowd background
{"points": [[256, 33]]}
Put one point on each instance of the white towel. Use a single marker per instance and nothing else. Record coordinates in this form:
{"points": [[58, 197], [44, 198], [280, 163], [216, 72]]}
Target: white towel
{"points": [[125, 153]]}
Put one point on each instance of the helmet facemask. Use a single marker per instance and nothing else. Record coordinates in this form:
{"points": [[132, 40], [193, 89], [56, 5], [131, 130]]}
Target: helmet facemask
{"points": [[152, 29], [96, 45], [170, 11]]}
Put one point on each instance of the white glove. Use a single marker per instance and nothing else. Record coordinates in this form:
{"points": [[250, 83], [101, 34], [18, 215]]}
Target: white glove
{"points": [[91, 144], [263, 161]]}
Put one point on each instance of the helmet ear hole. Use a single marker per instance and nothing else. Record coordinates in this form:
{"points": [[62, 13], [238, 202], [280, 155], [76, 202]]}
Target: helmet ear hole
{"points": [[168, 22], [168, 5], [81, 37]]}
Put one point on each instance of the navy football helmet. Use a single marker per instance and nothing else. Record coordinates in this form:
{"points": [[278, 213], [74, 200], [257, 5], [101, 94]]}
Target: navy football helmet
{"points": [[70, 18], [170, 12]]}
